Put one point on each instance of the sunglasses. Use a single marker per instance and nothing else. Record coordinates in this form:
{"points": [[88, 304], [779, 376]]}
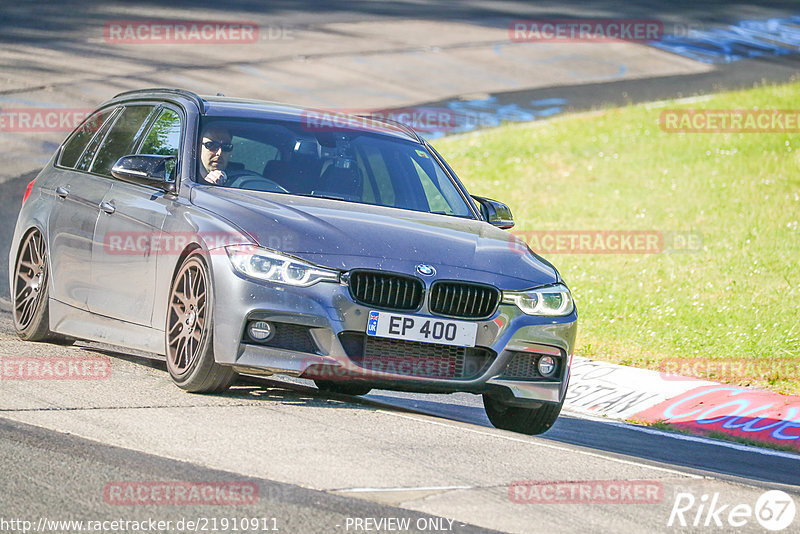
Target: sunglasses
{"points": [[213, 146]]}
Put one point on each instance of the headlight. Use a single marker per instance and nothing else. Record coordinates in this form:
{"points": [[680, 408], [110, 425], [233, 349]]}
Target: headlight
{"points": [[551, 301], [264, 264]]}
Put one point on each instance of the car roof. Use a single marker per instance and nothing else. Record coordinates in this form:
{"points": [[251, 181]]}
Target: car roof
{"points": [[222, 106]]}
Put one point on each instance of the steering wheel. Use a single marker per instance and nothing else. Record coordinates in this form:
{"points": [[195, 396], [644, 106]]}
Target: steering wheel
{"points": [[244, 179]]}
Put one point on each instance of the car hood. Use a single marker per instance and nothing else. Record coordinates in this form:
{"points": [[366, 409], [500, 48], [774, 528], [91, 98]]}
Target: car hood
{"points": [[347, 235]]}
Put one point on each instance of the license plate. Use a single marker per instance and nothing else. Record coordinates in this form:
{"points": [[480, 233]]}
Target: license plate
{"points": [[424, 329]]}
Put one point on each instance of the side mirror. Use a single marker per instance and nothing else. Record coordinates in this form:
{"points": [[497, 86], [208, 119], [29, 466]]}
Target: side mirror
{"points": [[147, 169], [496, 213]]}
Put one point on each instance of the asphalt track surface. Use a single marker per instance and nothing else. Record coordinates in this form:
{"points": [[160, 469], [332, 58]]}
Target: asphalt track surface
{"points": [[319, 460], [29, 449], [310, 454]]}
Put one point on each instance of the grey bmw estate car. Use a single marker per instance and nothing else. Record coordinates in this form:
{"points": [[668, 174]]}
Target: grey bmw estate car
{"points": [[245, 237]]}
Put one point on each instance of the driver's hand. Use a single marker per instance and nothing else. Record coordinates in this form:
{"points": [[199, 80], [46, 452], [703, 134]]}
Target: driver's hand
{"points": [[217, 177]]}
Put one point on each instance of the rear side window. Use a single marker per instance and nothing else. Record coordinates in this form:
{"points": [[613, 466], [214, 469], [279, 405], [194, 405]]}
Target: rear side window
{"points": [[121, 139], [81, 137], [86, 159]]}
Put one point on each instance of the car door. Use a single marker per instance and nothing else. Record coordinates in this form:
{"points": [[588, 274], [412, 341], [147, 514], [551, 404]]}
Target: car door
{"points": [[128, 239], [76, 208]]}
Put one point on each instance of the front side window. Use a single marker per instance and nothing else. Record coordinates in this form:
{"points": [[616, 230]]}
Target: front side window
{"points": [[164, 138], [348, 164], [121, 140]]}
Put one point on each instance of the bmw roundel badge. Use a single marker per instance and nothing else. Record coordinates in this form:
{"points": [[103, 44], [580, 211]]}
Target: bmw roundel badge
{"points": [[425, 270]]}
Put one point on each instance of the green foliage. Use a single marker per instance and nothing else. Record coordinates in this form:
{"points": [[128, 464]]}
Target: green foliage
{"points": [[736, 297]]}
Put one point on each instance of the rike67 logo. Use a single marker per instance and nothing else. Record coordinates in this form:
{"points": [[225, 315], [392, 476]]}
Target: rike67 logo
{"points": [[774, 510]]}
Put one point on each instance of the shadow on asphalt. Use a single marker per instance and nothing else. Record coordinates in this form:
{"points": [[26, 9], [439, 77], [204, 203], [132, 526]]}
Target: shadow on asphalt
{"points": [[247, 387], [147, 361]]}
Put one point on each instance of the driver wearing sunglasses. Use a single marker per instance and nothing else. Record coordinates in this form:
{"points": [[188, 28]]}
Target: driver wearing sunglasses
{"points": [[215, 150]]}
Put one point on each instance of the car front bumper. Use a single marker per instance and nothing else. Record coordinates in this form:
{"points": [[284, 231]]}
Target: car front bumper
{"points": [[328, 314]]}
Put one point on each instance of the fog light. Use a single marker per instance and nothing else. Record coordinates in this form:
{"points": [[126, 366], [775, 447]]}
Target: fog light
{"points": [[259, 331], [547, 366]]}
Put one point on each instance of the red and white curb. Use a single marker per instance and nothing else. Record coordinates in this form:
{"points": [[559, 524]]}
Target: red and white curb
{"points": [[631, 394]]}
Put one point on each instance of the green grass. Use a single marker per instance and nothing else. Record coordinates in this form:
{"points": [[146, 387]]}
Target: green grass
{"points": [[736, 298]]}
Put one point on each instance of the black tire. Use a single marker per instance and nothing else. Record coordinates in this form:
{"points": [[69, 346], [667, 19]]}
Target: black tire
{"points": [[30, 295], [342, 388], [530, 421], [188, 333]]}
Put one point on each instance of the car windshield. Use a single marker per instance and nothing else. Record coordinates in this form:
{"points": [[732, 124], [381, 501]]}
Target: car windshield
{"points": [[344, 164]]}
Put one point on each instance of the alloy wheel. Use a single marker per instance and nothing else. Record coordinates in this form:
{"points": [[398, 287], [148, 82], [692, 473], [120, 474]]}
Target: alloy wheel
{"points": [[187, 322], [30, 279]]}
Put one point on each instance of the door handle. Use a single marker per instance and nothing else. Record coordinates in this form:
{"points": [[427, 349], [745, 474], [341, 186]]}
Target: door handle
{"points": [[63, 192], [108, 207]]}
